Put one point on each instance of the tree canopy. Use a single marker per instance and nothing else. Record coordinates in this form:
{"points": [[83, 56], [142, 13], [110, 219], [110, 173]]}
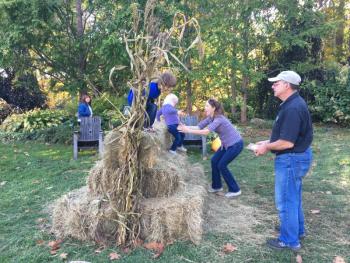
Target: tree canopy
{"points": [[70, 43]]}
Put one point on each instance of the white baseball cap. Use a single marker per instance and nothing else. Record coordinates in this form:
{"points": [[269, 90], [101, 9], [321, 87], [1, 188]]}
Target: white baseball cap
{"points": [[288, 76]]}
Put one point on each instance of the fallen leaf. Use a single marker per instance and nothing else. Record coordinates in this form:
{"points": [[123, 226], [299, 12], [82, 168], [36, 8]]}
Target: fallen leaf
{"points": [[63, 255], [315, 211], [328, 192], [338, 259], [3, 183], [55, 244], [53, 252], [114, 256], [299, 259], [157, 246], [40, 242], [228, 248]]}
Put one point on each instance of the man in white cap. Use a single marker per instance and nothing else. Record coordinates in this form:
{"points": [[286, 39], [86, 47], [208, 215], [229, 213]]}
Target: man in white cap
{"points": [[290, 141]]}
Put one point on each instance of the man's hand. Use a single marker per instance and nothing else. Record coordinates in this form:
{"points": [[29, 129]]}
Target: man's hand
{"points": [[261, 148]]}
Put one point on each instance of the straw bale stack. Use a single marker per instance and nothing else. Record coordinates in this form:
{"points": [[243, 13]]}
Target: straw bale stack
{"points": [[172, 190]]}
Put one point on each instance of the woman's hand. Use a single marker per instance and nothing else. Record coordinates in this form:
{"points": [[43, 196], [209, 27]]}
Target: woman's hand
{"points": [[183, 128]]}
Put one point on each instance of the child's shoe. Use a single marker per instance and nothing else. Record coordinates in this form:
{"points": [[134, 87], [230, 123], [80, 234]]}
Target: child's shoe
{"points": [[182, 149]]}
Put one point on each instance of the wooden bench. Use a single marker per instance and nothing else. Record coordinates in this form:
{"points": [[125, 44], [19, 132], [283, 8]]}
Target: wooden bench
{"points": [[89, 136], [192, 139]]}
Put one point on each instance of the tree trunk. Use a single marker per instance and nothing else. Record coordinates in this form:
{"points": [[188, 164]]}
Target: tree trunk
{"points": [[81, 63], [339, 38], [233, 93], [245, 84], [233, 82]]}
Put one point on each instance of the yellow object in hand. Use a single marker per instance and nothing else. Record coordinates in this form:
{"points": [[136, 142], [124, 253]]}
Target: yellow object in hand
{"points": [[216, 144]]}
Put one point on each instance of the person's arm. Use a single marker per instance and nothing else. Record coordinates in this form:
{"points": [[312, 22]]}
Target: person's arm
{"points": [[279, 145], [193, 130], [159, 113]]}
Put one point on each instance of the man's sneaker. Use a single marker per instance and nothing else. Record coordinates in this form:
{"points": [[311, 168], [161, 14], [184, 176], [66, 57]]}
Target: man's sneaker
{"points": [[172, 152], [181, 149], [212, 190], [233, 194], [278, 229], [279, 245]]}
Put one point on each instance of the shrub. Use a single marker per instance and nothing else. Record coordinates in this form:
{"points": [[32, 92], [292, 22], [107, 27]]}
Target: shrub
{"points": [[21, 90], [5, 110], [62, 133], [331, 99], [34, 120]]}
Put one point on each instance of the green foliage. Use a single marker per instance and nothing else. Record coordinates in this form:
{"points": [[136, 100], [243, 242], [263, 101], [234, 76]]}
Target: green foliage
{"points": [[34, 120], [5, 110], [109, 107], [331, 99]]}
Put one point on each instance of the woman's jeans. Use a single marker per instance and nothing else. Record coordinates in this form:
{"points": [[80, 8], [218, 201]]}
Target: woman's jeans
{"points": [[219, 163], [290, 168], [178, 136]]}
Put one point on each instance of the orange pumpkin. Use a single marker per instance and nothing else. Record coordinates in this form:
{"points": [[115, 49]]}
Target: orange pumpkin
{"points": [[216, 144]]}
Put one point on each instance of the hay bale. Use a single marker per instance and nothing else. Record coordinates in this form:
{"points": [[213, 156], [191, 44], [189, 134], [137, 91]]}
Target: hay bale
{"points": [[164, 137], [172, 190], [84, 217], [115, 150], [177, 217]]}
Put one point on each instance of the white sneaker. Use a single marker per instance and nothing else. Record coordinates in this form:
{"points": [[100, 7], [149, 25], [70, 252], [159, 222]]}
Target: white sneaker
{"points": [[212, 190], [233, 194], [172, 152], [181, 149]]}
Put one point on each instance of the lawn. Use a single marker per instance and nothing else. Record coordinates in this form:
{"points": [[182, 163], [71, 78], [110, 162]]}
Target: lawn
{"points": [[34, 174]]}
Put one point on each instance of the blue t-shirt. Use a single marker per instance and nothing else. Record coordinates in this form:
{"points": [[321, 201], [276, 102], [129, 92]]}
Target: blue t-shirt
{"points": [[154, 92]]}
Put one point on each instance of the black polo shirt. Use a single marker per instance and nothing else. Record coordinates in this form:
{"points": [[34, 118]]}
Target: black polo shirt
{"points": [[293, 124]]}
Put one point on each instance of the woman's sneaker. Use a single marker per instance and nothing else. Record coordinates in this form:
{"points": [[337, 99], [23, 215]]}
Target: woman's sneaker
{"points": [[233, 194], [181, 149], [212, 190]]}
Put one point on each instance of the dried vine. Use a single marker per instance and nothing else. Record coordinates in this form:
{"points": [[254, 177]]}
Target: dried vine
{"points": [[149, 50]]}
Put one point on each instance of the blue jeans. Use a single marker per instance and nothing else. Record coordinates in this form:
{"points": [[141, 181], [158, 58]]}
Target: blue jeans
{"points": [[219, 163], [151, 112], [178, 136], [290, 168]]}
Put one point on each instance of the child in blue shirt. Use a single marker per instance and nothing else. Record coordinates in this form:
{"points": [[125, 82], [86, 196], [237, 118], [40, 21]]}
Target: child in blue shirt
{"points": [[166, 81]]}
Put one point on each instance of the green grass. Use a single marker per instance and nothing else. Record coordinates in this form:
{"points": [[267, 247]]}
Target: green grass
{"points": [[36, 174]]}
